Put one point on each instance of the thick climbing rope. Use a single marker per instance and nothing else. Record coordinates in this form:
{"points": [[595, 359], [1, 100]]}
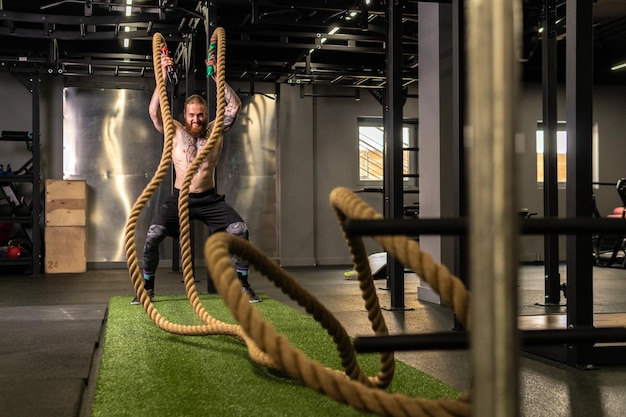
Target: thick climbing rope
{"points": [[265, 346]]}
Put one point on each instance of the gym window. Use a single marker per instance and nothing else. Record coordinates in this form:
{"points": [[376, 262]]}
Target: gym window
{"points": [[561, 151], [371, 150], [561, 146]]}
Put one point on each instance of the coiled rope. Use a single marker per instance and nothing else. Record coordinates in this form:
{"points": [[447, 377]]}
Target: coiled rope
{"points": [[265, 345], [364, 397]]}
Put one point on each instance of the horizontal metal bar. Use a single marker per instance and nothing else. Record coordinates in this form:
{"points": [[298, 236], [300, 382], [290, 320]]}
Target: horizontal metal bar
{"points": [[90, 20], [543, 226], [460, 340], [613, 184]]}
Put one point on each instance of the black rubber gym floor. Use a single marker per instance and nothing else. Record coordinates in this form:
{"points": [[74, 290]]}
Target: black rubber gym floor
{"points": [[50, 327]]}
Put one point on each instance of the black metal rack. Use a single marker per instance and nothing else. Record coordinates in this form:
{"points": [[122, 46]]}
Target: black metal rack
{"points": [[31, 224]]}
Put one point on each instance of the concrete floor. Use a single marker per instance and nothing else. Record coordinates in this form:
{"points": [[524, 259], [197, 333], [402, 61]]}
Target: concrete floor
{"points": [[50, 328]]}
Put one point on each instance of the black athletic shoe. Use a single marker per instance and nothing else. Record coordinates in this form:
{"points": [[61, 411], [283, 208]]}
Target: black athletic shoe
{"points": [[137, 301], [253, 297]]}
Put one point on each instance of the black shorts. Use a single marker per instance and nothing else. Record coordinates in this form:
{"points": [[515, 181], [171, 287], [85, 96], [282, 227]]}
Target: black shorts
{"points": [[208, 207]]}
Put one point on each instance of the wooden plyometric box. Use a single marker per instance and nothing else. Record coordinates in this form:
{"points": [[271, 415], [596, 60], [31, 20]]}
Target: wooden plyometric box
{"points": [[66, 202], [65, 249]]}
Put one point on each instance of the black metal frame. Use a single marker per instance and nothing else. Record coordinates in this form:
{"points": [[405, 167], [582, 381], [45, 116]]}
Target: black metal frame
{"points": [[34, 219], [550, 180], [581, 352], [461, 340], [393, 202]]}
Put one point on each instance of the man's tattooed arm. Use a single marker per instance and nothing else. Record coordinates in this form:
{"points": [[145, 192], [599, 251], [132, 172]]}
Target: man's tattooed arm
{"points": [[233, 105]]}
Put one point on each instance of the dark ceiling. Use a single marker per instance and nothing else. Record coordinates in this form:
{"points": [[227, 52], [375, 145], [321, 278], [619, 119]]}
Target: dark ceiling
{"points": [[267, 40]]}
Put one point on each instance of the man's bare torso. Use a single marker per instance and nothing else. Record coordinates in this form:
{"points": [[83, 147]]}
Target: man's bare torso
{"points": [[185, 149]]}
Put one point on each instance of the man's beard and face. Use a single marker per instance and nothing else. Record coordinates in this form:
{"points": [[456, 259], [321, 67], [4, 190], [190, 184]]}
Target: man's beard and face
{"points": [[195, 119]]}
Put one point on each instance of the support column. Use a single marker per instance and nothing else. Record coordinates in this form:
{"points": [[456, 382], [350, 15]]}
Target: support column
{"points": [[393, 179], [436, 154], [210, 24], [36, 237], [550, 180], [579, 110], [460, 266]]}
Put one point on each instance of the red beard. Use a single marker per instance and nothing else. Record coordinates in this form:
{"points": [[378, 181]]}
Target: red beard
{"points": [[195, 130]]}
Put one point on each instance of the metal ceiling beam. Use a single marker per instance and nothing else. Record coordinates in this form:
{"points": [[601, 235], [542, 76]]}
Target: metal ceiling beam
{"points": [[306, 46], [336, 5], [364, 36], [86, 35], [87, 20]]}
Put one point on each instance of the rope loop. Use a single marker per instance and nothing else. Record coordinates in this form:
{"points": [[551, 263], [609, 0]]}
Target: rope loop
{"points": [[351, 387]]}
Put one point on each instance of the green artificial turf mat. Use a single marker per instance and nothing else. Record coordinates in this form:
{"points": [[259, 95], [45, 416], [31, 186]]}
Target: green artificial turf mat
{"points": [[145, 371]]}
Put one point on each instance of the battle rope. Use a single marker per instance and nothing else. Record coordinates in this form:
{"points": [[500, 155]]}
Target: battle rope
{"points": [[348, 205], [212, 325], [265, 346], [221, 246]]}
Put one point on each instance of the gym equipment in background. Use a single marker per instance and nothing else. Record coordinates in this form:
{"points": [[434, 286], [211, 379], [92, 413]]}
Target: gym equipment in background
{"points": [[610, 250]]}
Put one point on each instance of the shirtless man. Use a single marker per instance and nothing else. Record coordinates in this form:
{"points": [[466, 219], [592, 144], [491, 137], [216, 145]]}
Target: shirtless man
{"points": [[204, 202]]}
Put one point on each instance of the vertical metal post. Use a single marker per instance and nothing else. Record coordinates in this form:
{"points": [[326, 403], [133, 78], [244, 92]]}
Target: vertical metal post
{"points": [[176, 242], [493, 29], [393, 189], [189, 64], [460, 172], [210, 12], [36, 213], [550, 180], [579, 110]]}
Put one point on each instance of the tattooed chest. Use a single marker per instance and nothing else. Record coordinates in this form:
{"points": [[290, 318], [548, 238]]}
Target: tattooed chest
{"points": [[189, 147]]}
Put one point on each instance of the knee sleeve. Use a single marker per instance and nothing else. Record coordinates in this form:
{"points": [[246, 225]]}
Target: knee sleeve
{"points": [[239, 229], [156, 234]]}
